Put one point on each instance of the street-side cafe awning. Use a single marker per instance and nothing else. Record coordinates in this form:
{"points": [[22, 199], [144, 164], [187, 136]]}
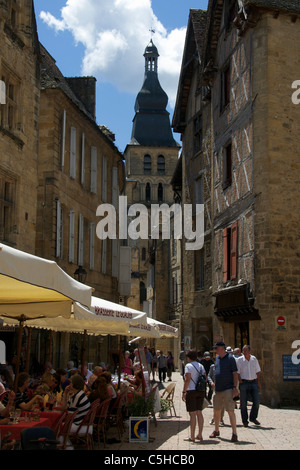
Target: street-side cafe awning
{"points": [[35, 287], [103, 318]]}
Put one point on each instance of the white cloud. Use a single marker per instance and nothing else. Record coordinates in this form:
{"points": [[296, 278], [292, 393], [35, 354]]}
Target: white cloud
{"points": [[114, 35]]}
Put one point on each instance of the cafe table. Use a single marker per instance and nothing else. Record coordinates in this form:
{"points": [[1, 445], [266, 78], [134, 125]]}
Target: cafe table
{"points": [[17, 428]]}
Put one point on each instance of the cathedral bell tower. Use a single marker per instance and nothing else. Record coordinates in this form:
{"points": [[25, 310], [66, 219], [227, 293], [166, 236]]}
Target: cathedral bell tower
{"points": [[150, 160]]}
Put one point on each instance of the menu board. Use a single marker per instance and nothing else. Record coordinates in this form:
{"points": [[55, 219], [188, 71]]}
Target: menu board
{"points": [[145, 370]]}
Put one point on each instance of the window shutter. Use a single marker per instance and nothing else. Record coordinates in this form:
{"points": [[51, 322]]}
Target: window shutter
{"points": [[80, 240], [114, 259], [114, 199], [225, 255], [92, 245], [82, 178], [233, 251], [63, 140], [104, 179], [104, 256], [73, 152], [59, 227], [71, 236], [94, 170]]}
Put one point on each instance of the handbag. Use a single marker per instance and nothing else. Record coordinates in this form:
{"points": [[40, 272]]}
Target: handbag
{"points": [[201, 382]]}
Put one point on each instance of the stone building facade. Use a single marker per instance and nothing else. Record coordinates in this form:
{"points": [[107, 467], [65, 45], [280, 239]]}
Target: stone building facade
{"points": [[151, 157], [79, 169], [56, 167], [19, 75], [247, 64]]}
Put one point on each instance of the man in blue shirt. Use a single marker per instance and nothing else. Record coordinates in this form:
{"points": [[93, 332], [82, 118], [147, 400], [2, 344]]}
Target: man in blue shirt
{"points": [[226, 380]]}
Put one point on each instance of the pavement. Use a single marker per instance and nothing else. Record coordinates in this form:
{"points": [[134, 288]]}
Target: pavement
{"points": [[279, 430]]}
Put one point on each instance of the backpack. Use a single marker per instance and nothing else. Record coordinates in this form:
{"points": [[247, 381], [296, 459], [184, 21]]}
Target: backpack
{"points": [[201, 382]]}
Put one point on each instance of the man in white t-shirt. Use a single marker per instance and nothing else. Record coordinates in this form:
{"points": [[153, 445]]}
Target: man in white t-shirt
{"points": [[193, 398], [249, 384]]}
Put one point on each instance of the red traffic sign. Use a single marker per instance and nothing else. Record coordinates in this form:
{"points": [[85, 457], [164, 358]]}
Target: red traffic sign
{"points": [[280, 320]]}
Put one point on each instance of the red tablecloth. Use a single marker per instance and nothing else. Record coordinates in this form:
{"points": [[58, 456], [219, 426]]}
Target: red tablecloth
{"points": [[52, 416], [16, 429]]}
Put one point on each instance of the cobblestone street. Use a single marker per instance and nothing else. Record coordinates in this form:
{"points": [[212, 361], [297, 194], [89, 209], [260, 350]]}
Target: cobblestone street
{"points": [[279, 430]]}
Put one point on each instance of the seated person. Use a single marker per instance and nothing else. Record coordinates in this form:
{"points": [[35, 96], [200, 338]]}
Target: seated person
{"points": [[75, 399], [136, 385], [100, 390], [63, 381], [21, 399], [96, 373], [46, 385], [111, 389], [4, 410]]}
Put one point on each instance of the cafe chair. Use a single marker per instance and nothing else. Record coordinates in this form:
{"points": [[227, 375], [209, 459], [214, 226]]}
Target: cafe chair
{"points": [[64, 428], [84, 433], [38, 438], [115, 416], [168, 394], [152, 397], [101, 420]]}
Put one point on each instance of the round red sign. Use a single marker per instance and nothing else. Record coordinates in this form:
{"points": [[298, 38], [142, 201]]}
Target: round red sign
{"points": [[280, 321]]}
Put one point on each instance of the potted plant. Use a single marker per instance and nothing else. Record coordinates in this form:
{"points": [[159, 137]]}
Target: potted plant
{"points": [[139, 411], [164, 408]]}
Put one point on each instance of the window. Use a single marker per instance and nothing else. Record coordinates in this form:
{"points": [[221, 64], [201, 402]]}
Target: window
{"points": [[160, 192], [199, 269], [230, 254], [147, 165], [225, 87], [9, 111], [7, 198], [143, 254], [198, 134], [161, 165], [143, 292], [227, 166], [148, 192]]}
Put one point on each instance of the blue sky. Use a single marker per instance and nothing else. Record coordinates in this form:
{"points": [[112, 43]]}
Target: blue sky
{"points": [[107, 39]]}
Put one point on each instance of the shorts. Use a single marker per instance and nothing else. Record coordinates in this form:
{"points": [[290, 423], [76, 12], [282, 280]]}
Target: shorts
{"points": [[223, 400], [194, 400]]}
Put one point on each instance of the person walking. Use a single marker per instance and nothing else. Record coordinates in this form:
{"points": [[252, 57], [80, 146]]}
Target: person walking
{"points": [[193, 398], [170, 365], [249, 383], [162, 366], [226, 380], [207, 362], [211, 380]]}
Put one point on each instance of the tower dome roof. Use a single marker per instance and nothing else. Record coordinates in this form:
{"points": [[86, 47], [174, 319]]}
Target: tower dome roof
{"points": [[151, 124]]}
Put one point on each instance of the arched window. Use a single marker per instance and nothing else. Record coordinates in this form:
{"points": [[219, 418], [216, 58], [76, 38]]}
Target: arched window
{"points": [[148, 192], [147, 164], [160, 192], [161, 165], [143, 292]]}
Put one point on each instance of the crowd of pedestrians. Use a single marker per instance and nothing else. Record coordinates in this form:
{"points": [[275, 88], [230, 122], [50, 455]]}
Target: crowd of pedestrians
{"points": [[232, 376]]}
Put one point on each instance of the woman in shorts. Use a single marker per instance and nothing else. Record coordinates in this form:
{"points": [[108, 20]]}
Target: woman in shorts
{"points": [[193, 398]]}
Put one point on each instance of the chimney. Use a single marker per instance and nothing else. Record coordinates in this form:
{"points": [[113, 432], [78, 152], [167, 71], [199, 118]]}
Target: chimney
{"points": [[85, 90]]}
